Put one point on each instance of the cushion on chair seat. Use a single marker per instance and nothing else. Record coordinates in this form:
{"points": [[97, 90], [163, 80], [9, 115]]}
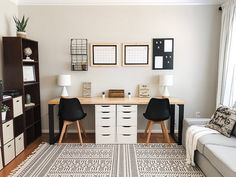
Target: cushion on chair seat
{"points": [[222, 158], [215, 139]]}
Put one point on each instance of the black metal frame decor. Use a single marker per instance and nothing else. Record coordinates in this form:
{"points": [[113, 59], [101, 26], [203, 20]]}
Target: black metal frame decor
{"points": [[79, 54], [104, 54], [132, 57], [163, 54]]}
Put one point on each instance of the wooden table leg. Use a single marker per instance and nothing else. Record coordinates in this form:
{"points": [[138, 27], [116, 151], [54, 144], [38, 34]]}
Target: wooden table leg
{"points": [[181, 118], [51, 123]]}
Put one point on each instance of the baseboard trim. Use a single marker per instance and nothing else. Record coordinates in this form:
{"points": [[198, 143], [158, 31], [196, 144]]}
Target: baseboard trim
{"points": [[93, 131]]}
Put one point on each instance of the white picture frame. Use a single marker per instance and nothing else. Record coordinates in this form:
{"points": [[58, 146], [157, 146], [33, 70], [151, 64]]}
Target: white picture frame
{"points": [[29, 73]]}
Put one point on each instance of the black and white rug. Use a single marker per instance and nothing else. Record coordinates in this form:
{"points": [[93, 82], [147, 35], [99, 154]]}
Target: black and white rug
{"points": [[95, 160]]}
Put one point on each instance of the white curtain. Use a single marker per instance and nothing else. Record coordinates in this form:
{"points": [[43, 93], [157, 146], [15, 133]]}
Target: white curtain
{"points": [[226, 92]]}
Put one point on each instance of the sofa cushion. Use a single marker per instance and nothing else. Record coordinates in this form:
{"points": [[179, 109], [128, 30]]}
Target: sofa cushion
{"points": [[215, 139], [223, 120], [223, 158]]}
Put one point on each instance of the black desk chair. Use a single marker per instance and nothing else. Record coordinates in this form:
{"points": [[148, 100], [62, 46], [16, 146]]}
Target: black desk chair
{"points": [[158, 110], [71, 111]]}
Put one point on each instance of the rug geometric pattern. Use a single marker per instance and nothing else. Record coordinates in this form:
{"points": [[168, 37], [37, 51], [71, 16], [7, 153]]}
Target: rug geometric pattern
{"points": [[98, 160]]}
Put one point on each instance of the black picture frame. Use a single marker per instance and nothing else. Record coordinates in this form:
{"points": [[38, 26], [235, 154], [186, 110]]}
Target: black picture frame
{"points": [[125, 46], [104, 46]]}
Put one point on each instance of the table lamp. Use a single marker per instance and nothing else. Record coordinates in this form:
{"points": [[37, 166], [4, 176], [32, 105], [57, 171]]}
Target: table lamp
{"points": [[165, 81], [64, 80]]}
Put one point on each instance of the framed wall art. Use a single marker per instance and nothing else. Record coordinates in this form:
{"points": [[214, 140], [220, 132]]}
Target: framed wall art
{"points": [[104, 54]]}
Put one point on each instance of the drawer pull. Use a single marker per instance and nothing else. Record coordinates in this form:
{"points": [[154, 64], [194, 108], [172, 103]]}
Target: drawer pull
{"points": [[126, 126], [17, 101], [105, 117], [8, 125], [126, 134], [9, 146], [105, 106], [105, 112], [127, 106], [126, 117], [126, 111], [19, 138], [105, 134], [106, 126]]}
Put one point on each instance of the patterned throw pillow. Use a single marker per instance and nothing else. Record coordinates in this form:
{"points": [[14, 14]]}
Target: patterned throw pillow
{"points": [[223, 120]]}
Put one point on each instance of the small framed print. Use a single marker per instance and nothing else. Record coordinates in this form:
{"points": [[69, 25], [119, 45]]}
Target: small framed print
{"points": [[29, 74]]}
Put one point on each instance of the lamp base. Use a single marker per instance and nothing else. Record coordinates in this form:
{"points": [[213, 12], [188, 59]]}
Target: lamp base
{"points": [[165, 93], [64, 92]]}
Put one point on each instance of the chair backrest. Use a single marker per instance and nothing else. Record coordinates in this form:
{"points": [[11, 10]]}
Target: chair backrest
{"points": [[158, 109], [70, 109]]}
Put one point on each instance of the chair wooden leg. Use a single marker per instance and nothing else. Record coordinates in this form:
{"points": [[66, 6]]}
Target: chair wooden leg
{"points": [[66, 132], [150, 131], [147, 127], [82, 128], [79, 132], [62, 132], [165, 131]]}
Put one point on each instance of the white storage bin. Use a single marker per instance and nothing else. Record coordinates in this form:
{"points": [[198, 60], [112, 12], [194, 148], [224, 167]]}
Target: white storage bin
{"points": [[7, 129], [17, 106], [9, 152], [19, 143]]}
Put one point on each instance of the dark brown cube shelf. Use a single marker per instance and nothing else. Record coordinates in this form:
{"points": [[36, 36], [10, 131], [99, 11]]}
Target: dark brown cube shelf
{"points": [[14, 60]]}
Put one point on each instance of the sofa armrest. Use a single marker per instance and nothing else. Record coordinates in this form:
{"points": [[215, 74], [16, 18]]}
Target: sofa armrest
{"points": [[192, 121]]}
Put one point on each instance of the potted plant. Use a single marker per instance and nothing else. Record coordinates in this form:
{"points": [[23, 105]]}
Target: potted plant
{"points": [[20, 26], [4, 109]]}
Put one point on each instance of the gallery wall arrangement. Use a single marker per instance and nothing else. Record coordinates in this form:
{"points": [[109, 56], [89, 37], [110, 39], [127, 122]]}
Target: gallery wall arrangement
{"points": [[125, 54]]}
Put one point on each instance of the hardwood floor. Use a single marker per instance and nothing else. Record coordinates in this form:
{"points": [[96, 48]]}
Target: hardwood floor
{"points": [[70, 138]]}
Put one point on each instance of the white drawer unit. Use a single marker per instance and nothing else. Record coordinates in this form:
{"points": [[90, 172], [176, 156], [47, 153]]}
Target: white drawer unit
{"points": [[105, 121], [127, 138], [116, 124], [19, 143], [127, 120], [1, 165], [105, 129], [9, 152], [126, 123], [101, 108], [126, 129], [17, 106], [105, 116], [7, 129], [121, 108], [105, 138]]}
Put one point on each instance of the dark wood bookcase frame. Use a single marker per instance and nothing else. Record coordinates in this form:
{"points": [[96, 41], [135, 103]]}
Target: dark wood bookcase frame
{"points": [[13, 49]]}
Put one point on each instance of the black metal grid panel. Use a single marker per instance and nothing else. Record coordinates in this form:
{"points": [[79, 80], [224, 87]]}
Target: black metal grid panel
{"points": [[79, 54]]}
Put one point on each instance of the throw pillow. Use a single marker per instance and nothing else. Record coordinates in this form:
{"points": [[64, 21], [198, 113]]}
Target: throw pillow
{"points": [[223, 120]]}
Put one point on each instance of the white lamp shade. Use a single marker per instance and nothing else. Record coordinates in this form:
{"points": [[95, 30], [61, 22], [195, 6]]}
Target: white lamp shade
{"points": [[64, 80], [166, 80]]}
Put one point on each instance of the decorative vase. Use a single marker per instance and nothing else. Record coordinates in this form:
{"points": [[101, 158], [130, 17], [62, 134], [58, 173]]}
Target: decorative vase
{"points": [[4, 115], [21, 34], [27, 99]]}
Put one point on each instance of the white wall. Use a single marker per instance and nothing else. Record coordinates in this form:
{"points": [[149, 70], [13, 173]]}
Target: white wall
{"points": [[195, 30], [8, 9]]}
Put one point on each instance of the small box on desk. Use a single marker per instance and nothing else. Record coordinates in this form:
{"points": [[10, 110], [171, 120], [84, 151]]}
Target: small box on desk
{"points": [[116, 93]]}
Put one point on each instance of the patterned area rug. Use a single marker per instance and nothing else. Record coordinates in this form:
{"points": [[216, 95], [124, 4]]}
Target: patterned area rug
{"points": [[95, 160]]}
